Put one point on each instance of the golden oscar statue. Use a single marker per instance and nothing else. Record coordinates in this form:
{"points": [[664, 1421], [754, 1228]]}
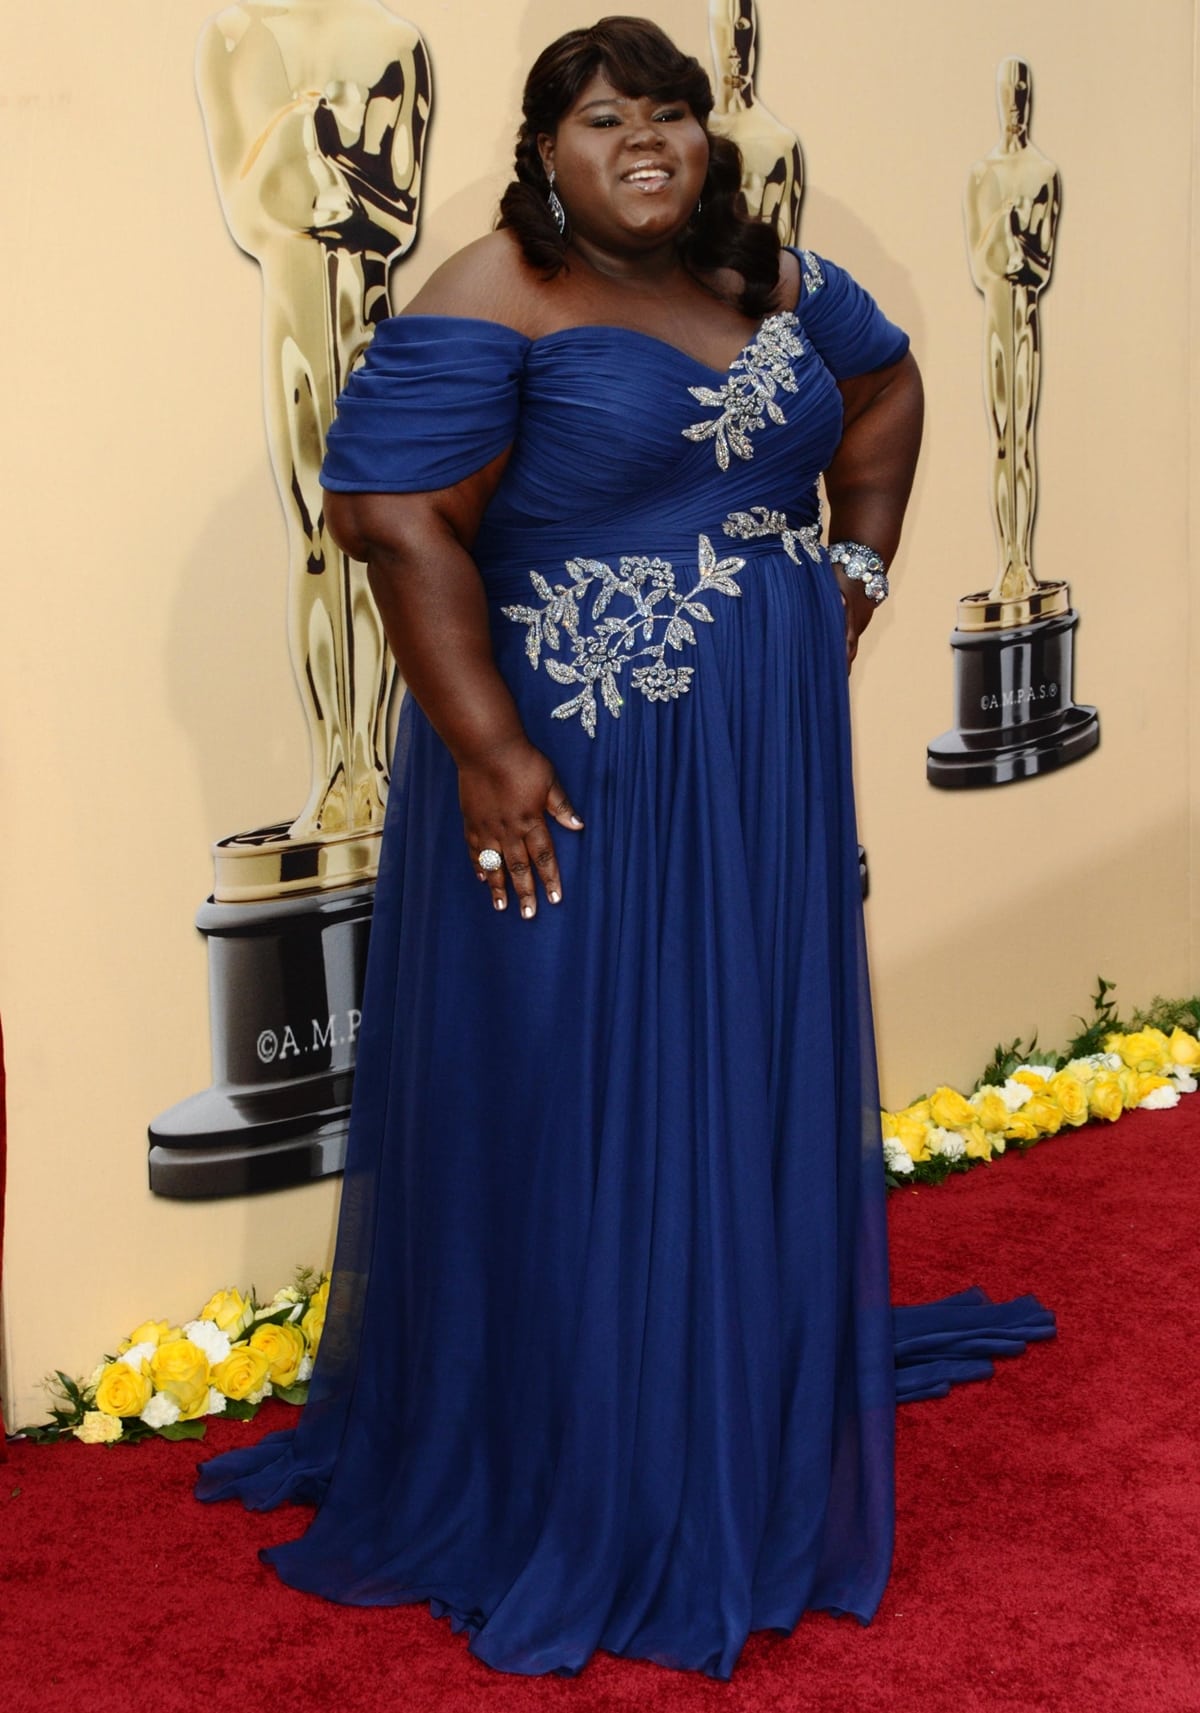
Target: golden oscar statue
{"points": [[316, 113], [773, 175], [1013, 642]]}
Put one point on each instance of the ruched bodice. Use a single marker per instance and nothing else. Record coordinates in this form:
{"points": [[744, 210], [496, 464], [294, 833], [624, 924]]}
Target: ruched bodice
{"points": [[610, 1359]]}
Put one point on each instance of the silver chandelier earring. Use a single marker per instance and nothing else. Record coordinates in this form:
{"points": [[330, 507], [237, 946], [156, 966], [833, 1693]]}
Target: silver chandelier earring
{"points": [[557, 212]]}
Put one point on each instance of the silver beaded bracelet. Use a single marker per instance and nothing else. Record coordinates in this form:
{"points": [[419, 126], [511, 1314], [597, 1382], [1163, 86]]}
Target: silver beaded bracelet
{"points": [[864, 565]]}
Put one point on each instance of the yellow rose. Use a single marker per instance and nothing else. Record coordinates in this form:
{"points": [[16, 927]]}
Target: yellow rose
{"points": [[980, 1145], [1144, 1050], [242, 1372], [1021, 1127], [1083, 1070], [1032, 1080], [913, 1135], [1043, 1113], [230, 1311], [150, 1332], [283, 1347], [990, 1110], [96, 1428], [1105, 1099], [1070, 1097], [123, 1391], [313, 1323], [1136, 1085], [948, 1109], [1184, 1048], [180, 1369]]}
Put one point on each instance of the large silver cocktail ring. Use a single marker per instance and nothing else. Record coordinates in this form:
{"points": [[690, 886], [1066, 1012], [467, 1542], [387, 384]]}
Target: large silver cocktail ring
{"points": [[490, 860]]}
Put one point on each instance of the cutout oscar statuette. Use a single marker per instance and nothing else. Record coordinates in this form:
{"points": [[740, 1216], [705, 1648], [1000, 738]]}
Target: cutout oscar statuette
{"points": [[1015, 715], [316, 113]]}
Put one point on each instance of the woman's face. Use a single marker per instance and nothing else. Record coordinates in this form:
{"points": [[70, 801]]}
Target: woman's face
{"points": [[629, 169]]}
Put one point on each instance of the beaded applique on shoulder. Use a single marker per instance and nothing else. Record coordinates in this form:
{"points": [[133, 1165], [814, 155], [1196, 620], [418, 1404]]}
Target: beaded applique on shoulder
{"points": [[811, 272], [750, 394]]}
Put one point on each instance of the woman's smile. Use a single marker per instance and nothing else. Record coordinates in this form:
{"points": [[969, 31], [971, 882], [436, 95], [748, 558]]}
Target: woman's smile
{"points": [[647, 176]]}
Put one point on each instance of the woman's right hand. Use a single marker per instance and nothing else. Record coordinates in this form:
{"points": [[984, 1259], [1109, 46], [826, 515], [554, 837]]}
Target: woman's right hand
{"points": [[506, 796]]}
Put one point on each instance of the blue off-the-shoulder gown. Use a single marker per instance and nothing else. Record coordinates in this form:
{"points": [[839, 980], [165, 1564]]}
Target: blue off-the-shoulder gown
{"points": [[610, 1360]]}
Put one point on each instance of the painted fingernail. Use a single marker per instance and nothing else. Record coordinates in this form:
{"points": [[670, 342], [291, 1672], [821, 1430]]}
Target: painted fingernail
{"points": [[554, 897], [500, 901], [574, 821], [527, 911]]}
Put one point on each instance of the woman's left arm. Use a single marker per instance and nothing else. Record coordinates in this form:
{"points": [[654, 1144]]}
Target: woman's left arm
{"points": [[869, 479]]}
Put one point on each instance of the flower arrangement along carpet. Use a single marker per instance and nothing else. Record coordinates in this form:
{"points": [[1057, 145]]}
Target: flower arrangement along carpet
{"points": [[167, 1380], [1025, 1095]]}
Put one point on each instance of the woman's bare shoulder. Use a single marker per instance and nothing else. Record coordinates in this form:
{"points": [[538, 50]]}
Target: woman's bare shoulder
{"points": [[488, 279]]}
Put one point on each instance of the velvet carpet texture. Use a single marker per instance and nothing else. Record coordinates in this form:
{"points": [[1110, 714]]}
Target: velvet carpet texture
{"points": [[1048, 1534]]}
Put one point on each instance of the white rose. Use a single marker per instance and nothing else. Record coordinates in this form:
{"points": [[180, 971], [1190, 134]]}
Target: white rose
{"points": [[1183, 1079], [304, 1372], [1160, 1098], [162, 1411], [207, 1336], [1042, 1071], [942, 1141], [216, 1402], [137, 1354], [1014, 1094], [953, 1148]]}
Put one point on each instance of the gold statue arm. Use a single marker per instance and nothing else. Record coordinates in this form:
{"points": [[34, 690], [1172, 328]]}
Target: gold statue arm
{"points": [[338, 164], [1009, 236]]}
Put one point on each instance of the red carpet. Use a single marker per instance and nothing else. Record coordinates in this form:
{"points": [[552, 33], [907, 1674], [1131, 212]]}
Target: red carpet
{"points": [[1048, 1545]]}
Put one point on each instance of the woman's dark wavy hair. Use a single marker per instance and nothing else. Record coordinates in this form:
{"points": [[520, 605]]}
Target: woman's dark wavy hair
{"points": [[639, 60]]}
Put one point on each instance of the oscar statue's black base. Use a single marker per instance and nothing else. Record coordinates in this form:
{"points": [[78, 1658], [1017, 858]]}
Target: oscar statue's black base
{"points": [[285, 991], [1015, 716]]}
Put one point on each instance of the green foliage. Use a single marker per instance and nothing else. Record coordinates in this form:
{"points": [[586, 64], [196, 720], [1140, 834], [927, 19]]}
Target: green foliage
{"points": [[1005, 1060], [182, 1430], [1168, 1014], [1094, 1031], [239, 1410], [1105, 1021], [292, 1394]]}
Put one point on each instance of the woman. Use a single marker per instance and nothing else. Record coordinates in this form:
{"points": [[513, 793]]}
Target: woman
{"points": [[610, 1353]]}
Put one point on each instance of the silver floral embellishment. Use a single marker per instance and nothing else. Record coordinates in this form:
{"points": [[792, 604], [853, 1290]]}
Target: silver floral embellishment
{"points": [[749, 395], [811, 272], [760, 521], [638, 614]]}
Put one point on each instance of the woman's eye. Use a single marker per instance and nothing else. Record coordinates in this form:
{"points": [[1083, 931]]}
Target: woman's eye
{"points": [[605, 120], [666, 117]]}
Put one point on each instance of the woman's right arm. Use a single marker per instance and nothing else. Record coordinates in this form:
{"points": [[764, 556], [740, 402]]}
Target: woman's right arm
{"points": [[431, 600]]}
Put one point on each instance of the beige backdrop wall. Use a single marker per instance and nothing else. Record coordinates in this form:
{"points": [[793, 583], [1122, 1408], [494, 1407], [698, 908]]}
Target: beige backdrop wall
{"points": [[146, 693]]}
